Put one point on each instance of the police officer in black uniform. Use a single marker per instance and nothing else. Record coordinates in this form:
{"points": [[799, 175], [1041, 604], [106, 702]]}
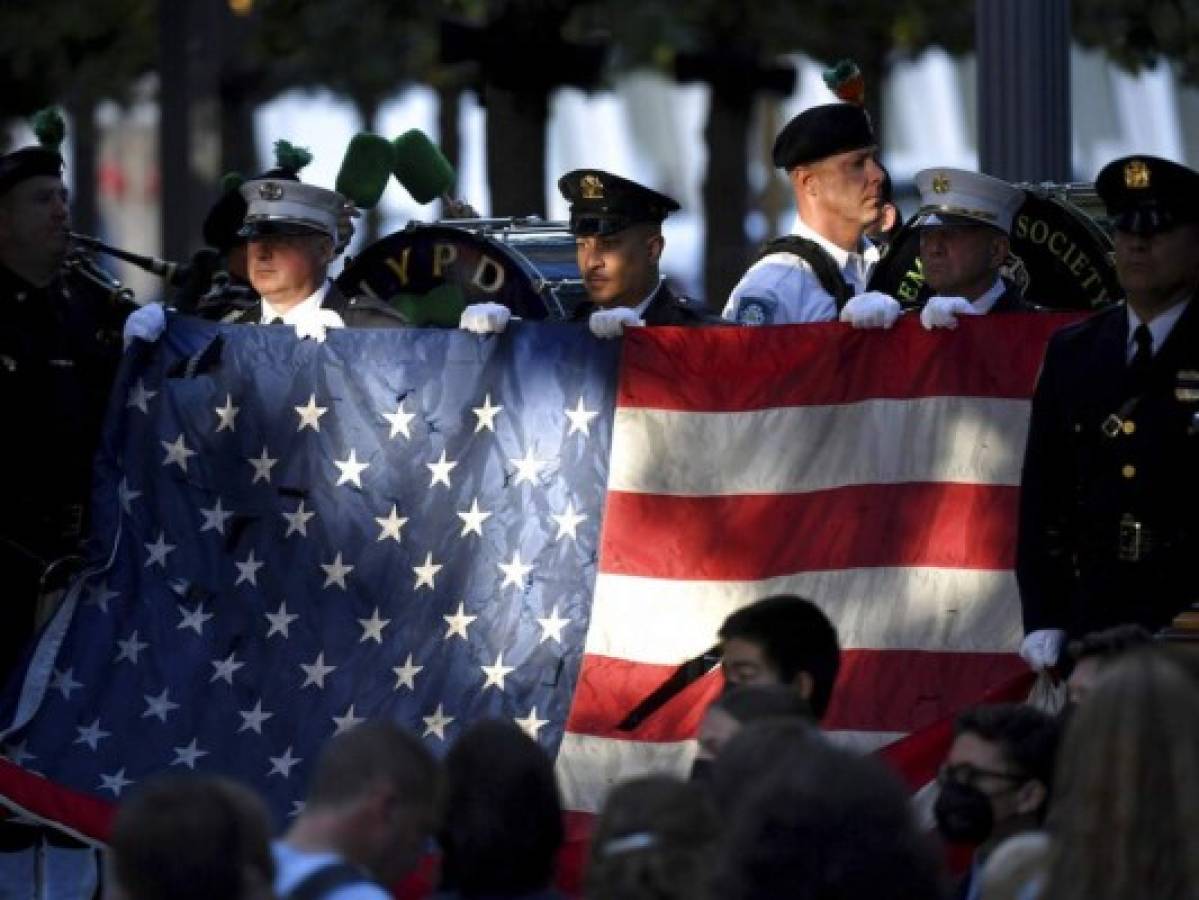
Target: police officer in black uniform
{"points": [[1109, 515], [60, 345], [617, 225]]}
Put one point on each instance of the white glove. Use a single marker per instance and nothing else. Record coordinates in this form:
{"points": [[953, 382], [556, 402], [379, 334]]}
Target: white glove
{"points": [[939, 312], [314, 327], [873, 309], [1041, 649], [611, 323], [145, 324], [485, 318]]}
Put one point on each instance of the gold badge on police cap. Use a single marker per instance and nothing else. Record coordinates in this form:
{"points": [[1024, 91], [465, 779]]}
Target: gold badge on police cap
{"points": [[591, 187], [270, 190], [1136, 174], [941, 184]]}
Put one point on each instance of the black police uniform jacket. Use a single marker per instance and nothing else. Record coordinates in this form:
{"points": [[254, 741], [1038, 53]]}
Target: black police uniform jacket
{"points": [[1109, 507], [355, 312], [60, 346], [666, 308], [1011, 300]]}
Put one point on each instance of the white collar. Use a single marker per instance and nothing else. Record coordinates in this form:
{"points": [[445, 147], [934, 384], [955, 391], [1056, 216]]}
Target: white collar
{"points": [[1159, 328], [866, 250], [305, 309], [641, 307], [987, 301]]}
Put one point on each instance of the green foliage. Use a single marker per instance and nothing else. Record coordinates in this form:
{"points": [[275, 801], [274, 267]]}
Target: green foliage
{"points": [[1137, 34], [364, 49], [52, 50]]}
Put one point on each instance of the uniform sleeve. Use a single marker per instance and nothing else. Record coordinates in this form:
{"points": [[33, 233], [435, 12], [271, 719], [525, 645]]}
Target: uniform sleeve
{"points": [[1044, 549], [780, 289]]}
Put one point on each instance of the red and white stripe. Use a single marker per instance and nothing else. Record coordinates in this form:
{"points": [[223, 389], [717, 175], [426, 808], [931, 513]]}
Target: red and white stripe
{"points": [[876, 473]]}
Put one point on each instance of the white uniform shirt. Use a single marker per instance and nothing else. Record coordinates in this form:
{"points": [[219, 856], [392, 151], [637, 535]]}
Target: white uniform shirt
{"points": [[308, 310], [987, 301], [781, 288]]}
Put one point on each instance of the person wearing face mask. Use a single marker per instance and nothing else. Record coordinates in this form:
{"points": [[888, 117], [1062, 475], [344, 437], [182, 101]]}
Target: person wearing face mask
{"points": [[996, 781]]}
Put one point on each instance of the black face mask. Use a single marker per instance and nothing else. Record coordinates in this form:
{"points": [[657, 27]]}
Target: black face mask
{"points": [[701, 771], [963, 814]]}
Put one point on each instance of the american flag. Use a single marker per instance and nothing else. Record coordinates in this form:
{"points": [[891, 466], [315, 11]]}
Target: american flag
{"points": [[295, 536], [408, 524], [876, 473]]}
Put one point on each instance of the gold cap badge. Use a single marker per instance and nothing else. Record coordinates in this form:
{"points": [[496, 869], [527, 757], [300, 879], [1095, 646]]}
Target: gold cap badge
{"points": [[941, 184], [1136, 174], [270, 190], [591, 187]]}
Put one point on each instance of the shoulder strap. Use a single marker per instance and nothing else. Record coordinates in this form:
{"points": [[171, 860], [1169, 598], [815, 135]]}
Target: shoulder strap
{"points": [[824, 267], [323, 881]]}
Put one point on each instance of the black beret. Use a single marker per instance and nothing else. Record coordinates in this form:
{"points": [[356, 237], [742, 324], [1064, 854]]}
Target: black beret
{"points": [[820, 132], [1146, 194], [603, 203], [28, 162], [224, 220]]}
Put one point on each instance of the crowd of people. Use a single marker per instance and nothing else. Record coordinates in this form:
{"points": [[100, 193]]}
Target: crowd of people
{"points": [[1096, 802]]}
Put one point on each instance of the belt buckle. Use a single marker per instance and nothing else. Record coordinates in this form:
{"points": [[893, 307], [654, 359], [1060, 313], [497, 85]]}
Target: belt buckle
{"points": [[1111, 426], [1132, 540]]}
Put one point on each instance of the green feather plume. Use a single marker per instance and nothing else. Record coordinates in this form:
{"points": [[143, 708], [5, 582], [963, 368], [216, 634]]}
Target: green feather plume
{"points": [[231, 181], [50, 127], [290, 157]]}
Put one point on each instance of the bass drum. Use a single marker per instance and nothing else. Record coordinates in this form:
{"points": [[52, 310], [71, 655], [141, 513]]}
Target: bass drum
{"points": [[1061, 253], [431, 272]]}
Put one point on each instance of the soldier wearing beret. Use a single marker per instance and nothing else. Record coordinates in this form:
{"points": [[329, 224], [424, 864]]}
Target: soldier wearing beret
{"points": [[291, 233], [1109, 508], [964, 223], [617, 225], [59, 350], [818, 273]]}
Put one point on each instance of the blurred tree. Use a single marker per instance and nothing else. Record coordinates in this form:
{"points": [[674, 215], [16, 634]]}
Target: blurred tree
{"points": [[75, 55], [520, 52], [1139, 33], [738, 49], [366, 50]]}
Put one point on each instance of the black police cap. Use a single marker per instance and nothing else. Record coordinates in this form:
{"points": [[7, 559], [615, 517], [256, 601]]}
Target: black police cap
{"points": [[28, 162], [820, 132], [603, 203], [224, 220], [1147, 194]]}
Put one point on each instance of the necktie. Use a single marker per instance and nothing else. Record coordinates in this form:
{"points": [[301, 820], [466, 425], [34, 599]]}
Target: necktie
{"points": [[1142, 357]]}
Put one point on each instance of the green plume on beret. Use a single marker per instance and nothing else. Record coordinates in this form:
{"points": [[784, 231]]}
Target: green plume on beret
{"points": [[231, 181], [49, 126], [290, 157], [845, 80]]}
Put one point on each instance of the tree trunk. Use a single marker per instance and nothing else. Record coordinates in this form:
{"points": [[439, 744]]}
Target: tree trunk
{"points": [[726, 195], [516, 152], [368, 111], [85, 151], [449, 108], [180, 216]]}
